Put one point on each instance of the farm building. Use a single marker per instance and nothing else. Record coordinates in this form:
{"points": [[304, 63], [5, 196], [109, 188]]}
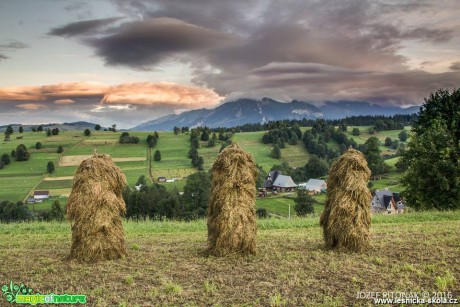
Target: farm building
{"points": [[387, 201], [272, 175], [314, 185], [284, 183], [161, 179], [41, 195]]}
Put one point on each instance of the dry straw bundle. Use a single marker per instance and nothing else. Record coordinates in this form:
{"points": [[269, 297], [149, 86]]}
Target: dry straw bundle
{"points": [[346, 218], [94, 207], [232, 225]]}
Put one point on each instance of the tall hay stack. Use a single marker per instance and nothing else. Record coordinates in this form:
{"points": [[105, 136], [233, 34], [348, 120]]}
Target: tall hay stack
{"points": [[232, 224], [346, 218], [95, 207]]}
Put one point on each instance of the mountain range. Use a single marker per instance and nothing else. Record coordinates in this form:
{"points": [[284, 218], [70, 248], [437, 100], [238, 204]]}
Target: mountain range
{"points": [[243, 111]]}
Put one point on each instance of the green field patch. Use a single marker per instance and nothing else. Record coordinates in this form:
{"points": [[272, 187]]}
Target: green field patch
{"points": [[54, 184], [17, 188]]}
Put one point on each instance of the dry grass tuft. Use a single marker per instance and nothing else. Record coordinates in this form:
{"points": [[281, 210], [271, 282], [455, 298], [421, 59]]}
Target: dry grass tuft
{"points": [[346, 218], [232, 223], [94, 208]]}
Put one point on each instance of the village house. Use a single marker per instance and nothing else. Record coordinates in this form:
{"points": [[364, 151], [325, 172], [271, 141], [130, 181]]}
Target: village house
{"points": [[39, 196], [272, 175], [386, 201], [314, 186], [284, 183]]}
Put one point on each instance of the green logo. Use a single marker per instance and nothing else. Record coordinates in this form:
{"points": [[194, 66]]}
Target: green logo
{"points": [[21, 294]]}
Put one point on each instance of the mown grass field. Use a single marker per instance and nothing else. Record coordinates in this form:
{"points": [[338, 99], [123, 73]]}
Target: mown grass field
{"points": [[167, 264]]}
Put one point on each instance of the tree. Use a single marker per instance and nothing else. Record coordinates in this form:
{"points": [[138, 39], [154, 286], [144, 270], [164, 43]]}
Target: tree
{"points": [[355, 131], [40, 128], [141, 180], [303, 203], [48, 132], [176, 130], [403, 136], [205, 136], [388, 141], [157, 156], [294, 139], [371, 130], [200, 163], [60, 149], [196, 195], [432, 155], [21, 130], [276, 152], [152, 140], [114, 127], [21, 153], [87, 132], [316, 167], [5, 159], [97, 127], [38, 145], [260, 177], [9, 130], [372, 153], [50, 167], [262, 213], [56, 212]]}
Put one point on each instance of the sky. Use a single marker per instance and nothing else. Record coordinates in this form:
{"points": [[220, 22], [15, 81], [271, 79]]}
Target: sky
{"points": [[129, 61]]}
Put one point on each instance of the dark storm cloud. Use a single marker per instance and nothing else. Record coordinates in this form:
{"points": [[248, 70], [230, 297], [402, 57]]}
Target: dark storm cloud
{"points": [[84, 27], [346, 49], [455, 66], [143, 44], [3, 57]]}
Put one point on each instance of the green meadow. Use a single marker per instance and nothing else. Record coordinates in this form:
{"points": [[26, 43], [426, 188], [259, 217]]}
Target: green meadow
{"points": [[20, 179]]}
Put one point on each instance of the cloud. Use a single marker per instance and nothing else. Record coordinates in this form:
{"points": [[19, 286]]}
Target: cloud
{"points": [[85, 27], [13, 45], [10, 46], [303, 49], [64, 101], [31, 106], [154, 40], [161, 93], [145, 94], [455, 66]]}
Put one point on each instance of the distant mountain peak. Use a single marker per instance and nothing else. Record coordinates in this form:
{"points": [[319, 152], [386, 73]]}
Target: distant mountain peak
{"points": [[247, 110]]}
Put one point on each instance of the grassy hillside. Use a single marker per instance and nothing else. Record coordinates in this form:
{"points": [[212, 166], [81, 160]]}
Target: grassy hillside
{"points": [[166, 264], [19, 179], [22, 177]]}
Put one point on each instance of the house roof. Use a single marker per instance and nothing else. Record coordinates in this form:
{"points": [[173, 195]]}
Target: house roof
{"points": [[315, 184], [41, 193], [268, 183], [284, 182], [383, 197]]}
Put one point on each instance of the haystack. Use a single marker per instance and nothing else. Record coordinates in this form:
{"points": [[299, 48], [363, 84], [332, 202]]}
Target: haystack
{"points": [[94, 208], [346, 218], [232, 225]]}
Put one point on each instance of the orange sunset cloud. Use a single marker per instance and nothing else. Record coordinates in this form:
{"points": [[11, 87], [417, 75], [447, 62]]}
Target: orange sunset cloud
{"points": [[146, 93]]}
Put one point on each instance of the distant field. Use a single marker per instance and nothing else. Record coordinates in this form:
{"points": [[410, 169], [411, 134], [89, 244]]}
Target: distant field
{"points": [[20, 178], [167, 265]]}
